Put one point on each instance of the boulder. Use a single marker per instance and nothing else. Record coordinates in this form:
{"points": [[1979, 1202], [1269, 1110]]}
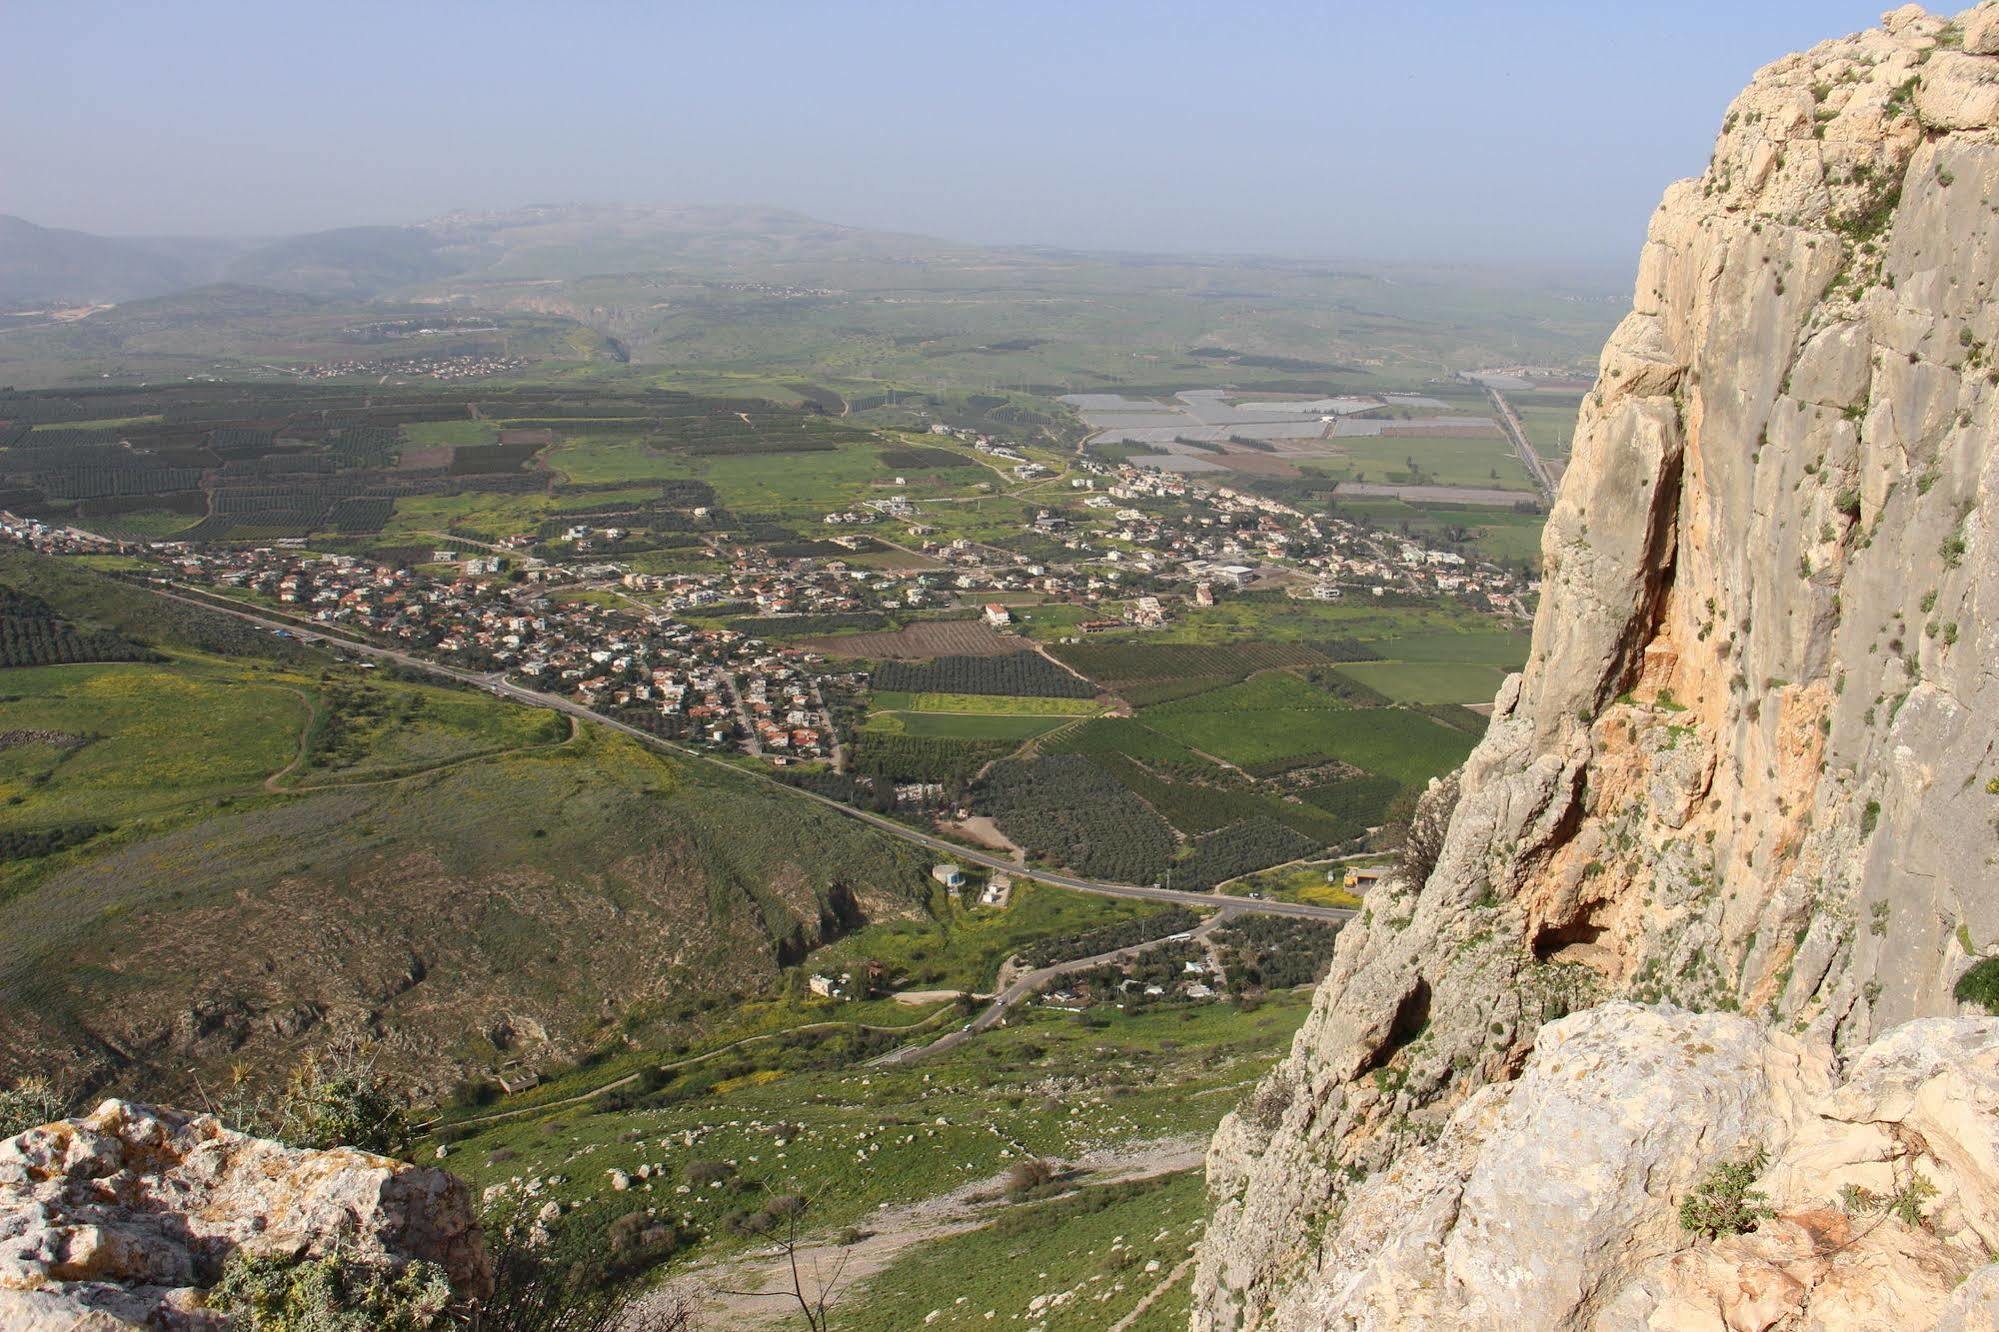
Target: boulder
{"points": [[121, 1218]]}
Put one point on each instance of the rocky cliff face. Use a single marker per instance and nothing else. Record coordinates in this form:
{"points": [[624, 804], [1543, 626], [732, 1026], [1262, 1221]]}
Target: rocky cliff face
{"points": [[1750, 765], [124, 1218]]}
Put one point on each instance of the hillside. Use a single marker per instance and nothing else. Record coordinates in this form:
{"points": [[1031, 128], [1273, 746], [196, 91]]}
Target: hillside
{"points": [[1747, 777], [272, 849], [41, 265], [754, 297]]}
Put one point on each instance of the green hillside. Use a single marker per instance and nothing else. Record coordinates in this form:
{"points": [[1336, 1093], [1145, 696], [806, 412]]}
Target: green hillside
{"points": [[271, 848]]}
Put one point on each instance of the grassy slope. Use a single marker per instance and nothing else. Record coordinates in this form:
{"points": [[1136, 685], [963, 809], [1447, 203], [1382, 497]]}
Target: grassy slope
{"points": [[567, 885], [855, 1138]]}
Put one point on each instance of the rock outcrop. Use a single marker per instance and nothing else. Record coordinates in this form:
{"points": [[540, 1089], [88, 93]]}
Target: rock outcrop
{"points": [[1750, 764], [124, 1217], [1551, 1201]]}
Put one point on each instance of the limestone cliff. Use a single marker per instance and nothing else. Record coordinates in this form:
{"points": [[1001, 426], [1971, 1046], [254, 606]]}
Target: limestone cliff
{"points": [[1750, 763]]}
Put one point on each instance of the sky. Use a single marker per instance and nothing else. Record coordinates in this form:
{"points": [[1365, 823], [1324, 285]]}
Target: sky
{"points": [[1530, 133]]}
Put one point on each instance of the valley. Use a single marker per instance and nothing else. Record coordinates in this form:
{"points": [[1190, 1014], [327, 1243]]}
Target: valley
{"points": [[657, 786]]}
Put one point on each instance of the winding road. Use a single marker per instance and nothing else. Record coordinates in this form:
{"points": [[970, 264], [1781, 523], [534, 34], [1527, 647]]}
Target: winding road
{"points": [[498, 684]]}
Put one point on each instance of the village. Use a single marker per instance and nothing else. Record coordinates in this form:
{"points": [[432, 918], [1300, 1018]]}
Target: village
{"points": [[568, 616]]}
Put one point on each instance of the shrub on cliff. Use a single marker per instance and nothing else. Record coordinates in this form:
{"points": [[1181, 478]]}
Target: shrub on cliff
{"points": [[1725, 1203], [1980, 985], [341, 1101], [330, 1294]]}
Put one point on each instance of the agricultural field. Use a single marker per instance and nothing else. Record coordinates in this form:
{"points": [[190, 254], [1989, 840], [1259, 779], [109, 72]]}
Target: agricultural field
{"points": [[1001, 705], [961, 725], [1121, 666], [912, 758], [1485, 463], [921, 641], [1550, 418], [1019, 673], [1428, 681], [1392, 742]]}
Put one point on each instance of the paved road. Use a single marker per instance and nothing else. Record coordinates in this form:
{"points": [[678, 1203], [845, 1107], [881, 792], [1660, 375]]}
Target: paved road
{"points": [[1032, 982], [1536, 467], [534, 698]]}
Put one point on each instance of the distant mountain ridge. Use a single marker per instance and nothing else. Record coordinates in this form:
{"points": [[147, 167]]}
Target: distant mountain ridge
{"points": [[48, 266]]}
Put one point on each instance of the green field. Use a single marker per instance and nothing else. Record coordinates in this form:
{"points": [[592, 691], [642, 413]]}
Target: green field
{"points": [[463, 434], [1550, 419], [962, 726], [1427, 681], [594, 460], [955, 947], [155, 739], [998, 705], [1484, 463], [1264, 723], [1497, 534]]}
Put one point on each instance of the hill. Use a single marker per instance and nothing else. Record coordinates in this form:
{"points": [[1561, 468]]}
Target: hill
{"points": [[734, 298], [352, 261], [46, 265], [283, 849]]}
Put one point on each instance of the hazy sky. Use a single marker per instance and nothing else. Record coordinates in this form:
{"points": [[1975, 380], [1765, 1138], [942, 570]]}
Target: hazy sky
{"points": [[1481, 131]]}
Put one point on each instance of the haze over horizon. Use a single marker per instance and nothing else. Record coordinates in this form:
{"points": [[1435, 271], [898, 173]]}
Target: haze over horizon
{"points": [[1334, 131]]}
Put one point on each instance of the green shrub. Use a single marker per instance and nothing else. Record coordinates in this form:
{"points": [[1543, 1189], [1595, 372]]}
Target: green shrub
{"points": [[1725, 1203], [341, 1101], [1979, 985], [330, 1294]]}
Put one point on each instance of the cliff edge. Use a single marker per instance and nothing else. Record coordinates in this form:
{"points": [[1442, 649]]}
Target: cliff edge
{"points": [[1748, 769]]}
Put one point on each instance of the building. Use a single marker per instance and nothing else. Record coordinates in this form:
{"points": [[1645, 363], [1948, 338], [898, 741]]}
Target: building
{"points": [[998, 616], [949, 875], [998, 889]]}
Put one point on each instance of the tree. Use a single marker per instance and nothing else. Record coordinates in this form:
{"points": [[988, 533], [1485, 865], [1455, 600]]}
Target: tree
{"points": [[814, 1271]]}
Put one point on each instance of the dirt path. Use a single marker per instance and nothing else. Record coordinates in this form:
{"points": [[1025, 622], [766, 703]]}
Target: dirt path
{"points": [[1130, 1320], [304, 737], [274, 783], [754, 1290]]}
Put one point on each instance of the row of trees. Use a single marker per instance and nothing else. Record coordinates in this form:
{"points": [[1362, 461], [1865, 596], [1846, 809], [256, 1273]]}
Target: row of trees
{"points": [[1066, 809]]}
